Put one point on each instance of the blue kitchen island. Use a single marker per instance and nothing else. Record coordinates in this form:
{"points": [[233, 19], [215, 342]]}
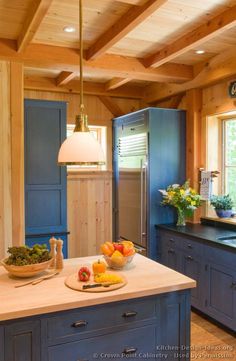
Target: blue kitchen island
{"points": [[148, 318]]}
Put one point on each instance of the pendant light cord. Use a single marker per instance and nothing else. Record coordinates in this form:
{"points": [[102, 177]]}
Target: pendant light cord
{"points": [[81, 55]]}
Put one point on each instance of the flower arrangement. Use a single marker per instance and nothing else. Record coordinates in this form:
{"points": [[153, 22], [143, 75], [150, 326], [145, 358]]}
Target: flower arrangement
{"points": [[182, 197]]}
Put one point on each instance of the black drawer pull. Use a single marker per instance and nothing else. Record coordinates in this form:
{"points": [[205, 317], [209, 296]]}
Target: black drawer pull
{"points": [[233, 285], [129, 350], [172, 240], [78, 324], [190, 258], [171, 251], [130, 314], [190, 246]]}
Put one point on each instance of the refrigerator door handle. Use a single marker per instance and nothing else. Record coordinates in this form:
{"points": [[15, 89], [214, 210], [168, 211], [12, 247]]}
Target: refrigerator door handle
{"points": [[144, 209], [141, 201]]}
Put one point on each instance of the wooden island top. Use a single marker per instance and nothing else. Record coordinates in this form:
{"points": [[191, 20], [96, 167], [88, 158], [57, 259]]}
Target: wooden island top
{"points": [[145, 278]]}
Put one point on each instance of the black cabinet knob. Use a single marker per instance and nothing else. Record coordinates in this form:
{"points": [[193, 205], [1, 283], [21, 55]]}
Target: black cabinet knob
{"points": [[190, 246], [233, 285], [80, 323], [129, 350], [129, 314], [189, 258], [171, 251], [172, 240]]}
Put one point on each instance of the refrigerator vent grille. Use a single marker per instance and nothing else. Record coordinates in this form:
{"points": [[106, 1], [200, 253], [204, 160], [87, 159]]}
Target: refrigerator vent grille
{"points": [[133, 145]]}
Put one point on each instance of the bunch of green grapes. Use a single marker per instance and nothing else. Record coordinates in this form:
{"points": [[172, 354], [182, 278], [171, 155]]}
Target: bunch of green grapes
{"points": [[24, 255]]}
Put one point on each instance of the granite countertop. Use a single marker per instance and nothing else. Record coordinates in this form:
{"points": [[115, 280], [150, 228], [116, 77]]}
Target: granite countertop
{"points": [[205, 232], [145, 278]]}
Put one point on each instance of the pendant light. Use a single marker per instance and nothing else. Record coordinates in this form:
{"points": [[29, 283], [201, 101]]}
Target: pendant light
{"points": [[81, 147]]}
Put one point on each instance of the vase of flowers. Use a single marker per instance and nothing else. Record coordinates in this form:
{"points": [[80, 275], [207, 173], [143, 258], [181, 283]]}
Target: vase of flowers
{"points": [[184, 198]]}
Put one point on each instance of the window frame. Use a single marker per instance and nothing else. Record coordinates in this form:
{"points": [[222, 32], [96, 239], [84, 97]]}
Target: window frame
{"points": [[224, 166]]}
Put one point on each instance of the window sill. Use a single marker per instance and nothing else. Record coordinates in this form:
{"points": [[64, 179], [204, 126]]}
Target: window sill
{"points": [[227, 223]]}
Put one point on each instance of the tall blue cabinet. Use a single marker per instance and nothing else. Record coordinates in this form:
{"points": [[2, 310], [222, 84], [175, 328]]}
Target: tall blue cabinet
{"points": [[148, 155], [45, 181]]}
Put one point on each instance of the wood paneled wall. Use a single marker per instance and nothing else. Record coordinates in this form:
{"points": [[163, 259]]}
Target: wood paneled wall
{"points": [[89, 212], [11, 156]]}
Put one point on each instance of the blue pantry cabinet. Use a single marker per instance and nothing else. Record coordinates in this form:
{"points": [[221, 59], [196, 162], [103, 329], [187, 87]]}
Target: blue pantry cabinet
{"points": [[45, 181]]}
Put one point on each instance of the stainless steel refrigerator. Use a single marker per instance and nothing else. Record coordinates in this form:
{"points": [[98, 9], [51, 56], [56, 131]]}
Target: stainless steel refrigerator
{"points": [[145, 144]]}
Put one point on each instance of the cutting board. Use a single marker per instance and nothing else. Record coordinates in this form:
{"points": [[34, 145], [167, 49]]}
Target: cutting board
{"points": [[72, 282]]}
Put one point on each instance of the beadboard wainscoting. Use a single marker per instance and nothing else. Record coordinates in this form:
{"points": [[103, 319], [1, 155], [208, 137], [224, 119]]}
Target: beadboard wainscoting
{"points": [[89, 211]]}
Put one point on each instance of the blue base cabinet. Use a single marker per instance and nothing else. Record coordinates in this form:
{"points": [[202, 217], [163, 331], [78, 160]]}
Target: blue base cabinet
{"points": [[143, 328], [45, 181], [211, 266]]}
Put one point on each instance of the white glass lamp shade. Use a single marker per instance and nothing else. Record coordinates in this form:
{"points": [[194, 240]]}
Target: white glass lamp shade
{"points": [[81, 148]]}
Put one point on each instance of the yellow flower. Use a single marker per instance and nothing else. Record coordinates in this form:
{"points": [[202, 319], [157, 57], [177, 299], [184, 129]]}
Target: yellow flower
{"points": [[188, 199], [193, 203], [182, 191]]}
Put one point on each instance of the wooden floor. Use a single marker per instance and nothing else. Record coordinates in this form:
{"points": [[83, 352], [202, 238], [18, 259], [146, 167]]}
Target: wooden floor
{"points": [[210, 342]]}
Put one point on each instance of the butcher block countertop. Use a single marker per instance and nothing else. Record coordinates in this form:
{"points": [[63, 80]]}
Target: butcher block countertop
{"points": [[145, 278]]}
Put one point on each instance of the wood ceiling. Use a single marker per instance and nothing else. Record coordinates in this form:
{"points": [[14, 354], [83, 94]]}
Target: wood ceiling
{"points": [[133, 48]]}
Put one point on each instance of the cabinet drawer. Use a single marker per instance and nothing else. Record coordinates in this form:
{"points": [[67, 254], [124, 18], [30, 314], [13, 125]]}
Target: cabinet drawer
{"points": [[191, 246], [117, 346], [79, 324], [170, 239]]}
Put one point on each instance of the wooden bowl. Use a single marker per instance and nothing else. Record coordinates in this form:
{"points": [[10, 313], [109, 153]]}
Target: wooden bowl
{"points": [[28, 270]]}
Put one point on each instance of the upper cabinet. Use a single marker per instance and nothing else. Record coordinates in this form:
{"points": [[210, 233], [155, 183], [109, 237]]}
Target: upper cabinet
{"points": [[45, 181]]}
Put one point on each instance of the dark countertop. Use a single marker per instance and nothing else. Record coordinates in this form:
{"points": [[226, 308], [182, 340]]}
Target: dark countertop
{"points": [[207, 233]]}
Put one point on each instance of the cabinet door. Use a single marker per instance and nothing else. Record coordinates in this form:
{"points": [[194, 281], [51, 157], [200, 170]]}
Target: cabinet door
{"points": [[171, 257], [45, 181], [221, 294], [22, 341], [192, 267]]}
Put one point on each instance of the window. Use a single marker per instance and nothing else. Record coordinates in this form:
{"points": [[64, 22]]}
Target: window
{"points": [[229, 158], [100, 133]]}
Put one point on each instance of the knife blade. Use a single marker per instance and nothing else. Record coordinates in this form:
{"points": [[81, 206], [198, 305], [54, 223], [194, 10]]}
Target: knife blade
{"points": [[94, 285]]}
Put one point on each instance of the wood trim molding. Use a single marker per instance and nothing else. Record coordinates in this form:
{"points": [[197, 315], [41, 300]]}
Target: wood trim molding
{"points": [[17, 153], [37, 12], [191, 40], [130, 20]]}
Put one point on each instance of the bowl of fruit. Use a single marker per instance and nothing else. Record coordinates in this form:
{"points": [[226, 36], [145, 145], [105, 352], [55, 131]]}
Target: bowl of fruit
{"points": [[118, 254], [26, 261]]}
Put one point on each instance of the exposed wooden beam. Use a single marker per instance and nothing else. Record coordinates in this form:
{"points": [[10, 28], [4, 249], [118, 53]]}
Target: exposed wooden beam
{"points": [[171, 103], [131, 2], [37, 11], [49, 84], [67, 59], [193, 39], [65, 77], [116, 83], [111, 105], [220, 67], [132, 18]]}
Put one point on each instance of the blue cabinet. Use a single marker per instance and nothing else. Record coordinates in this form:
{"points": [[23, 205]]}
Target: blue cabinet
{"points": [[45, 181], [212, 267], [133, 329], [22, 341]]}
